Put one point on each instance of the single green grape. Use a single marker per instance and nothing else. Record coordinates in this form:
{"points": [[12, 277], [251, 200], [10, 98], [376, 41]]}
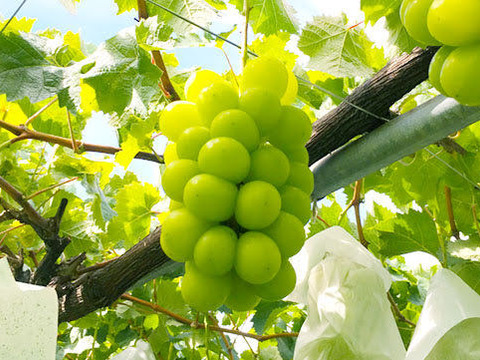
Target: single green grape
{"points": [[415, 21], [198, 81], [237, 125], [263, 106], [293, 129], [204, 292], [214, 99], [281, 285], [191, 141], [210, 197], [403, 9], [296, 202], [269, 164], [288, 233], [176, 176], [298, 154], [177, 117], [242, 295], [436, 66], [226, 158], [170, 153], [180, 232], [258, 205], [460, 75], [215, 250], [454, 22], [300, 177], [258, 259], [292, 89], [266, 73], [174, 205]]}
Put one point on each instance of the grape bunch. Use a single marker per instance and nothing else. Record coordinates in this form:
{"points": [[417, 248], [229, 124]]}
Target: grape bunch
{"points": [[238, 179], [454, 70]]}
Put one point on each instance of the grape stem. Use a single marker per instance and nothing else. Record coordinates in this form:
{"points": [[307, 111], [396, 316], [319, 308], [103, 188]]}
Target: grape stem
{"points": [[397, 311], [198, 325], [246, 10], [166, 84], [451, 218]]}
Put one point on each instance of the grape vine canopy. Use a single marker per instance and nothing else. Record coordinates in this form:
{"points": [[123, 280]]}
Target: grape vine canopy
{"points": [[80, 218]]}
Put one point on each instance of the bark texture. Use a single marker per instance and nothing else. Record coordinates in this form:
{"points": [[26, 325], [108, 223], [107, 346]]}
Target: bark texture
{"points": [[100, 288], [376, 95]]}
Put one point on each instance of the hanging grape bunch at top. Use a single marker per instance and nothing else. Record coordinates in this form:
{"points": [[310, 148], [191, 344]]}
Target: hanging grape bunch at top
{"points": [[237, 174], [454, 70]]}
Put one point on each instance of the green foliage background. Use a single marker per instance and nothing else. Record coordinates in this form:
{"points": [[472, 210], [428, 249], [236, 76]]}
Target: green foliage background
{"points": [[108, 212]]}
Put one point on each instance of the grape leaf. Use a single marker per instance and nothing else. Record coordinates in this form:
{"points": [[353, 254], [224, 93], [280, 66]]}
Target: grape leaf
{"points": [[123, 74], [153, 34], [126, 5], [270, 16], [24, 71], [265, 310], [398, 34], [197, 11], [338, 50], [376, 9], [17, 25], [414, 231], [134, 203]]}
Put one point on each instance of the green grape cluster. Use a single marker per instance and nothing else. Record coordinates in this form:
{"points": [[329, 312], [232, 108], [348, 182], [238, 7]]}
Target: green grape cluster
{"points": [[238, 179], [454, 70]]}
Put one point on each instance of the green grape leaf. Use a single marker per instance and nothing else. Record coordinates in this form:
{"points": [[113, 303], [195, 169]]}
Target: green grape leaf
{"points": [[264, 311], [376, 9], [197, 11], [274, 46], [123, 75], [17, 25], [130, 148], [134, 203], [398, 34], [337, 49], [286, 347], [24, 71], [125, 5], [414, 231], [469, 271], [269, 353], [270, 16], [153, 34]]}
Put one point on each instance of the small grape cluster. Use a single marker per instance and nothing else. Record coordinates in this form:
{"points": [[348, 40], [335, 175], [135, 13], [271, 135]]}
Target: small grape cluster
{"points": [[238, 179], [454, 70]]}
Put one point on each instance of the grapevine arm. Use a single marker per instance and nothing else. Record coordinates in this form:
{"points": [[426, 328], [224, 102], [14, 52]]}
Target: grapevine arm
{"points": [[376, 95], [101, 287]]}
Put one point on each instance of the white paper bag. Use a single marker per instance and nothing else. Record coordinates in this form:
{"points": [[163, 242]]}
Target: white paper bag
{"points": [[344, 287], [449, 324], [142, 351], [28, 319]]}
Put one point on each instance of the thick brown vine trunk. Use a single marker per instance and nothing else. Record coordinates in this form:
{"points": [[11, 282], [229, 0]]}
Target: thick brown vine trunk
{"points": [[100, 288], [376, 95]]}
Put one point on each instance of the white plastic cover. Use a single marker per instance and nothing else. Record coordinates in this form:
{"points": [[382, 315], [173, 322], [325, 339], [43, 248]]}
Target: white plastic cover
{"points": [[449, 324], [141, 351], [28, 319], [345, 287]]}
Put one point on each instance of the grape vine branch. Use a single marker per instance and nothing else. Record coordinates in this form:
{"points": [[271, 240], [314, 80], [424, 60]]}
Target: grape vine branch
{"points": [[196, 325]]}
